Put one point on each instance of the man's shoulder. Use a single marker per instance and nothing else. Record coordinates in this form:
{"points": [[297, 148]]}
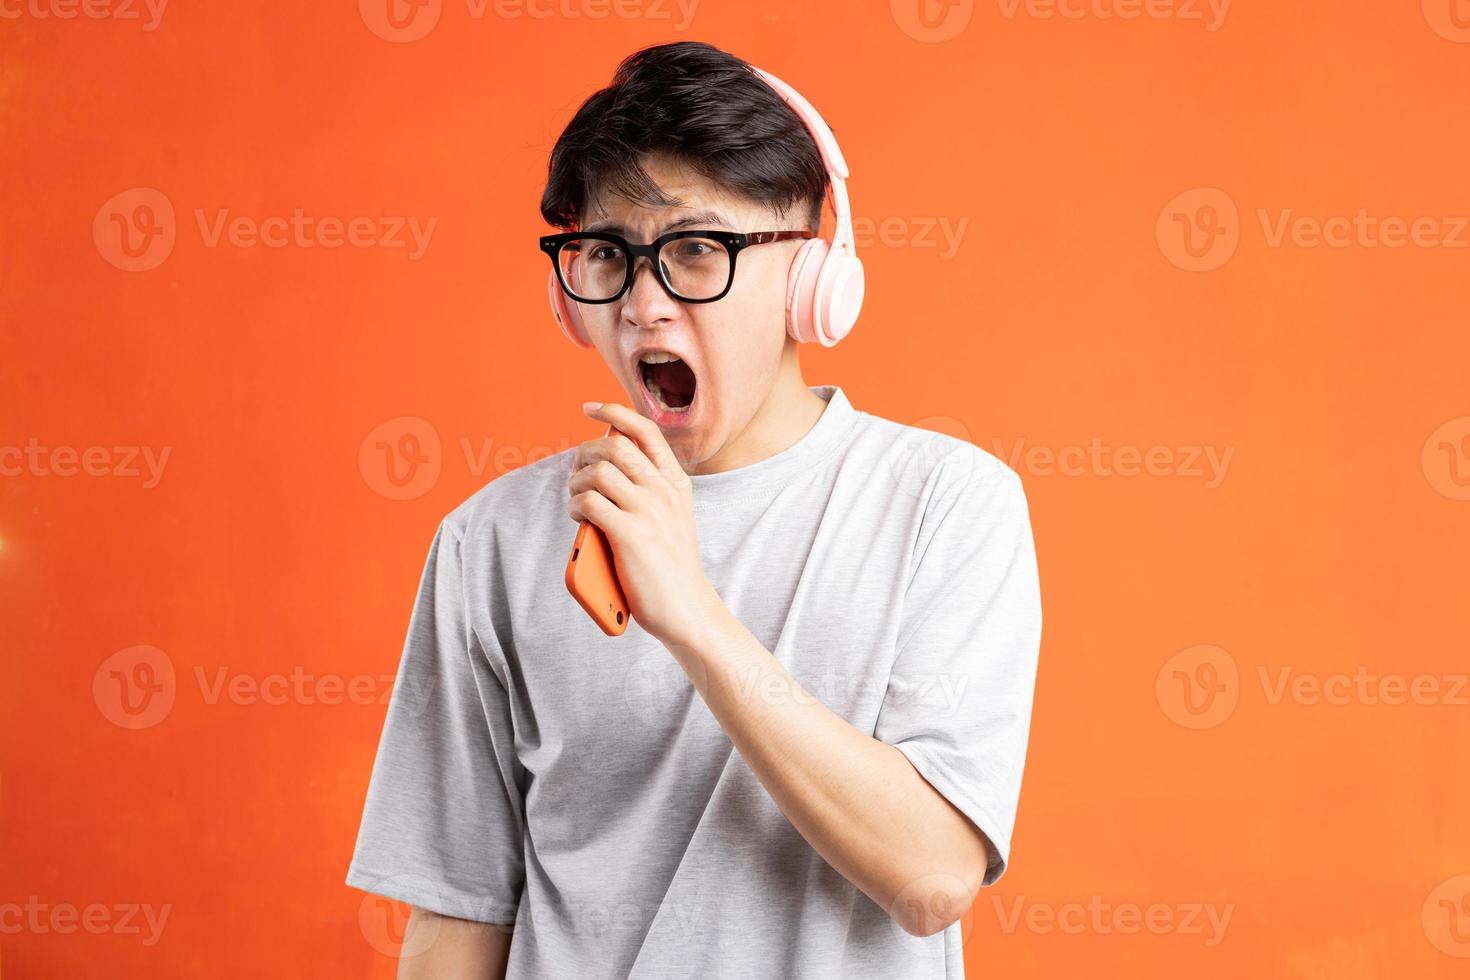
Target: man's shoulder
{"points": [[517, 499], [934, 451]]}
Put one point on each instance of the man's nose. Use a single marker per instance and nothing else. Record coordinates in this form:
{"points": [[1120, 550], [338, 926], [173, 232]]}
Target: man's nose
{"points": [[647, 299]]}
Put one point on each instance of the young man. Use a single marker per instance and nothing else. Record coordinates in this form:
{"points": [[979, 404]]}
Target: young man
{"points": [[803, 757]]}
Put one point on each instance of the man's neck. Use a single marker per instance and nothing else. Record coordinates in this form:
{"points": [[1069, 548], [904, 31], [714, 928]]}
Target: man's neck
{"points": [[787, 415]]}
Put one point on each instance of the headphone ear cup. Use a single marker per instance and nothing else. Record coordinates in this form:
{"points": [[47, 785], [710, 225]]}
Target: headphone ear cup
{"points": [[566, 313], [824, 293], [839, 296], [801, 287]]}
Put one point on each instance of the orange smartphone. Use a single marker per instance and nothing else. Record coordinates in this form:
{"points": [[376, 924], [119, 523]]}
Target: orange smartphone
{"points": [[592, 578]]}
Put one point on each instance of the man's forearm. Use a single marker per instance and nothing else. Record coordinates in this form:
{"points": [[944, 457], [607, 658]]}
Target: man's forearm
{"points": [[857, 800]]}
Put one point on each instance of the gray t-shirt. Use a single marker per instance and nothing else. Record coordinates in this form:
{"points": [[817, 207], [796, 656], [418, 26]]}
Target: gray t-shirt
{"points": [[533, 769]]}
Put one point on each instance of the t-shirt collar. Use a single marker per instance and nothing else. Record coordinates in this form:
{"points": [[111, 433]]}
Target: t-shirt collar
{"points": [[831, 428]]}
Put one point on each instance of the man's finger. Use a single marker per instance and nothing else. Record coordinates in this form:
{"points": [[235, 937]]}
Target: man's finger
{"points": [[647, 436]]}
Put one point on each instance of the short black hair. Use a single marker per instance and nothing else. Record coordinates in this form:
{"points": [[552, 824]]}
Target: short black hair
{"points": [[705, 108]]}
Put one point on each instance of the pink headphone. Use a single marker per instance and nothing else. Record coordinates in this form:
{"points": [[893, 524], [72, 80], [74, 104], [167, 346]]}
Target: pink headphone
{"points": [[824, 288]]}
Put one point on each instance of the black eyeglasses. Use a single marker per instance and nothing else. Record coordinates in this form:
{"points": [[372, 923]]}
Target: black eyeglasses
{"points": [[692, 266]]}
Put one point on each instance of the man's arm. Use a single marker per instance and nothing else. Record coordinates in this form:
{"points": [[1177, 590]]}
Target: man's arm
{"points": [[437, 947], [857, 800]]}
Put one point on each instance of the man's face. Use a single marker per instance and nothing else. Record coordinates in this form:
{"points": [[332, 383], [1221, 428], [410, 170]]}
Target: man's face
{"points": [[734, 346]]}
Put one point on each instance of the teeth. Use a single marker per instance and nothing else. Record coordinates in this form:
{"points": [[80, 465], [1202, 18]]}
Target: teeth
{"points": [[660, 357], [658, 396]]}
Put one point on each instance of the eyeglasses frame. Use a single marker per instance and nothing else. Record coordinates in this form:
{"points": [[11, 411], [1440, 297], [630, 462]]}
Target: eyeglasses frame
{"points": [[734, 242]]}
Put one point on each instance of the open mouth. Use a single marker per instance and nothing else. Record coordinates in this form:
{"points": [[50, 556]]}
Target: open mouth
{"points": [[669, 380]]}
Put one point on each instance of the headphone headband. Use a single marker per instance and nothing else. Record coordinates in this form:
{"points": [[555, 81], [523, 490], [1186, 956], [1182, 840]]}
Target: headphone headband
{"points": [[842, 237]]}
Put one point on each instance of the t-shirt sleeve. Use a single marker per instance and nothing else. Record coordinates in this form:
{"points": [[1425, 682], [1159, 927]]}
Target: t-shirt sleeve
{"points": [[958, 702], [442, 824]]}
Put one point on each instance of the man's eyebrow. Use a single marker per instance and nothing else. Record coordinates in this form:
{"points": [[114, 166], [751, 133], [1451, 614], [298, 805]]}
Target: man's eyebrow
{"points": [[697, 218]]}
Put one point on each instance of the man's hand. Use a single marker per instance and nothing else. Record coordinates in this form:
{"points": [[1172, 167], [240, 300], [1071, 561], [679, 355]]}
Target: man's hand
{"points": [[631, 486]]}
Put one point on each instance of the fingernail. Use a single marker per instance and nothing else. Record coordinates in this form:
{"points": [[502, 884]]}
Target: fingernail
{"points": [[591, 406]]}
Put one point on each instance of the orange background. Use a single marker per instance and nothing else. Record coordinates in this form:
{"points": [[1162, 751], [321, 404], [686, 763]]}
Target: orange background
{"points": [[1333, 833]]}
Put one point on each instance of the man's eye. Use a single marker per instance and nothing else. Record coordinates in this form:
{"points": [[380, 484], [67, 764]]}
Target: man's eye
{"points": [[606, 253]]}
